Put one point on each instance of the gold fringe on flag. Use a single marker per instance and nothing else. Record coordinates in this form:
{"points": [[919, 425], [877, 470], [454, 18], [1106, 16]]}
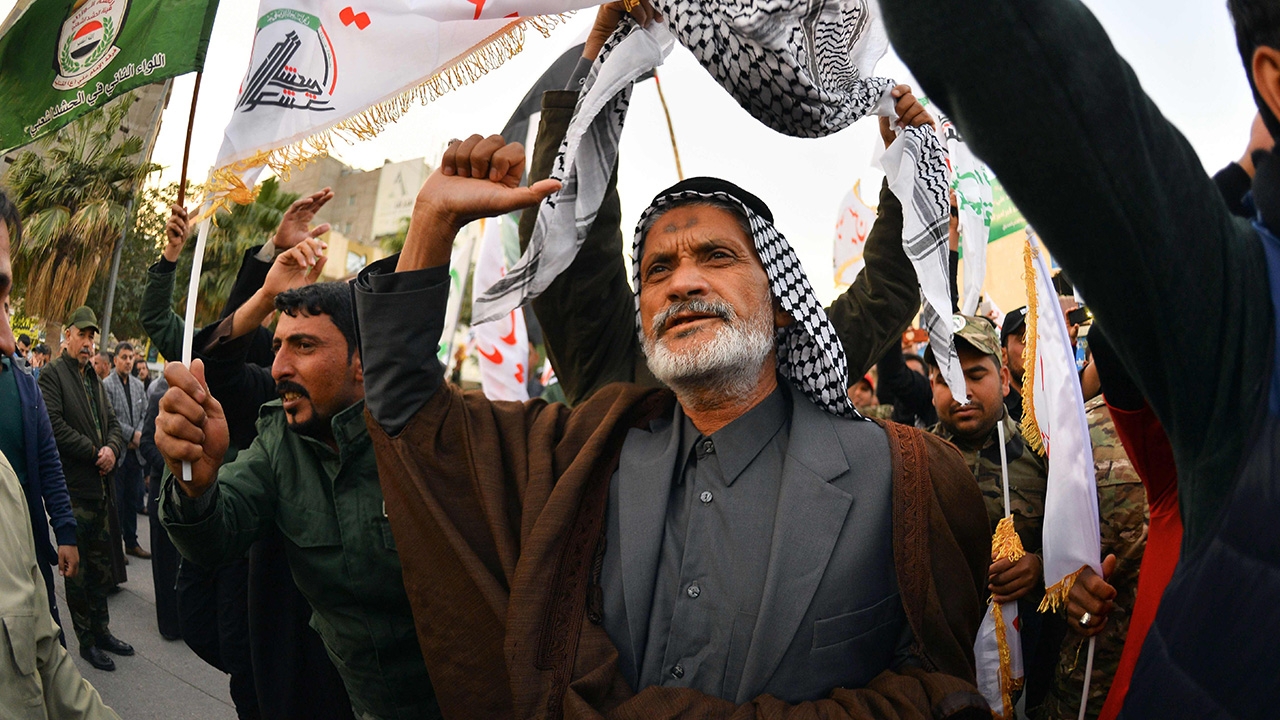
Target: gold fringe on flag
{"points": [[1030, 429], [487, 55], [1055, 597], [1005, 545]]}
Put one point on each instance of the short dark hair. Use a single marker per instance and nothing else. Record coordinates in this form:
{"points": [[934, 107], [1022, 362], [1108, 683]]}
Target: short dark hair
{"points": [[1257, 24], [41, 349], [9, 215], [908, 358], [25, 339], [109, 356], [139, 360], [121, 347], [326, 298]]}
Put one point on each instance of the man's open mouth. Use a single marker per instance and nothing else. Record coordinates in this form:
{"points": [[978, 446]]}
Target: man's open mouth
{"points": [[291, 396], [687, 318]]}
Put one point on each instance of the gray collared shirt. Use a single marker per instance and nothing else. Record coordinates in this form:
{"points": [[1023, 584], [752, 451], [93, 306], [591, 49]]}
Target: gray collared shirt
{"points": [[715, 550]]}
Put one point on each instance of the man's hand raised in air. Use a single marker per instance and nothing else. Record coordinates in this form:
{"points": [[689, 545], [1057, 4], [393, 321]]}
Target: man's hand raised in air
{"points": [[295, 226], [478, 177], [300, 265], [175, 232], [191, 427]]}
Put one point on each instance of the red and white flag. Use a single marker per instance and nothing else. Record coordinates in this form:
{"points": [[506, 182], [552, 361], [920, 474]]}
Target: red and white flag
{"points": [[503, 344], [327, 70], [853, 224]]}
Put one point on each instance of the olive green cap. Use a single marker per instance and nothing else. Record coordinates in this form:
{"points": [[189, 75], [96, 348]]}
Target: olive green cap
{"points": [[82, 318]]}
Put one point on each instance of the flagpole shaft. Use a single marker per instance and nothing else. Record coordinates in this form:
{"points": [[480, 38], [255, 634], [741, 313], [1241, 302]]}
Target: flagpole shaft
{"points": [[186, 148], [189, 326], [1088, 675], [671, 130], [1004, 467]]}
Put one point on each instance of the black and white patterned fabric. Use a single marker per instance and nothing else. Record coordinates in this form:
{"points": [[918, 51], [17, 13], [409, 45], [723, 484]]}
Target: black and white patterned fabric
{"points": [[801, 67], [808, 351]]}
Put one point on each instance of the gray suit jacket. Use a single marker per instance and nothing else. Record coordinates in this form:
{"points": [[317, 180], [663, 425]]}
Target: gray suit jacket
{"points": [[130, 411], [830, 615]]}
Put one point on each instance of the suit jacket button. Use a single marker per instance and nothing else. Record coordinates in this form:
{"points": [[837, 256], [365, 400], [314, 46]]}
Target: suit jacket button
{"points": [[677, 671]]}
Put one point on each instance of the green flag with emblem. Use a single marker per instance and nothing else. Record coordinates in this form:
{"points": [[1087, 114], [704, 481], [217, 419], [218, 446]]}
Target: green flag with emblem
{"points": [[60, 59]]}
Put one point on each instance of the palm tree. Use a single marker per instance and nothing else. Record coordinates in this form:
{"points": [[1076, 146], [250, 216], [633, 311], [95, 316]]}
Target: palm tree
{"points": [[234, 232], [74, 197]]}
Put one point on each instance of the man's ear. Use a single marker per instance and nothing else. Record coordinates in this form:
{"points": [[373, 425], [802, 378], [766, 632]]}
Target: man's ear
{"points": [[1266, 76], [1004, 380], [357, 368], [781, 318]]}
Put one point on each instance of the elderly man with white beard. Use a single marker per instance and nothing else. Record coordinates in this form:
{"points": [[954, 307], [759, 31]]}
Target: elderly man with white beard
{"points": [[742, 543]]}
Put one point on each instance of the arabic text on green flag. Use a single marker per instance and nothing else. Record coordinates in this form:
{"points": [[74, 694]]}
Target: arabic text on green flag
{"points": [[63, 58]]}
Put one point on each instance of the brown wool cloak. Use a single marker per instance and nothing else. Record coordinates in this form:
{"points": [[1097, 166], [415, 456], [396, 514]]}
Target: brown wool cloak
{"points": [[498, 512]]}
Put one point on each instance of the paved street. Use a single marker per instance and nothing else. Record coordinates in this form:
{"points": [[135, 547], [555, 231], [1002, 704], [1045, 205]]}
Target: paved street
{"points": [[164, 679]]}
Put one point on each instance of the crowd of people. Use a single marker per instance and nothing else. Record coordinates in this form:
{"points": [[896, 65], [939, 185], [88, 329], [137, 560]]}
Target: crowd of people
{"points": [[742, 503]]}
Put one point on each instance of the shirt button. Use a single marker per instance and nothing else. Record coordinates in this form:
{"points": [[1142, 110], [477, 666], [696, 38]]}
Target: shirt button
{"points": [[694, 591], [708, 447], [705, 497], [677, 671]]}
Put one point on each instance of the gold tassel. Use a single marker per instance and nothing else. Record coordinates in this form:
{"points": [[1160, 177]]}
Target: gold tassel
{"points": [[1030, 429], [463, 70], [1006, 545]]}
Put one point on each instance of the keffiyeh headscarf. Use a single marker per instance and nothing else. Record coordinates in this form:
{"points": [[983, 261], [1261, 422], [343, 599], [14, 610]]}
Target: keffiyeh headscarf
{"points": [[809, 352], [801, 67]]}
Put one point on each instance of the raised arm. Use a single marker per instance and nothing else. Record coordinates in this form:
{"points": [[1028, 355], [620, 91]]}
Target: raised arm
{"points": [[159, 321], [215, 516], [871, 315], [478, 177], [1121, 200], [588, 312]]}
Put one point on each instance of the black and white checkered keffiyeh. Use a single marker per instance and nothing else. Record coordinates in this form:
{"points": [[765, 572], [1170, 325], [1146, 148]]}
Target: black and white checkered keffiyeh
{"points": [[809, 352], [801, 67]]}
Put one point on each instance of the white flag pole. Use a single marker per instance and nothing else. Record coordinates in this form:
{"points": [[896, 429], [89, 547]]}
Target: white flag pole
{"points": [[1088, 675], [193, 289], [1004, 467]]}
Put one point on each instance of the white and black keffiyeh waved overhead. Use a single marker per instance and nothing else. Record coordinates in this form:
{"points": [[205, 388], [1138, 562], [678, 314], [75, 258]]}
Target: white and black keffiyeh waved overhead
{"points": [[801, 67], [809, 352]]}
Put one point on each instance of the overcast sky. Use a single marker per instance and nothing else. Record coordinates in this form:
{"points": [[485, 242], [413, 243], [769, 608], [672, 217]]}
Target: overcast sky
{"points": [[1183, 52]]}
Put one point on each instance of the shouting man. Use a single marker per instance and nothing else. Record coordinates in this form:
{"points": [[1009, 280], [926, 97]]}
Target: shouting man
{"points": [[697, 546], [311, 473]]}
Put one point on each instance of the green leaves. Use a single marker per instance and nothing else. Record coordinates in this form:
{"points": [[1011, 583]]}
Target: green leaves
{"points": [[73, 192]]}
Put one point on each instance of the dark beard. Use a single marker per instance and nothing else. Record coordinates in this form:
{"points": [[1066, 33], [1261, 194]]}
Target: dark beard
{"points": [[317, 427]]}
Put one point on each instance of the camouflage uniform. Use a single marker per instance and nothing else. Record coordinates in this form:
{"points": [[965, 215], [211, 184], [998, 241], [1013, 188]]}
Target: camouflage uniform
{"points": [[1122, 510], [87, 591], [1028, 475], [880, 412]]}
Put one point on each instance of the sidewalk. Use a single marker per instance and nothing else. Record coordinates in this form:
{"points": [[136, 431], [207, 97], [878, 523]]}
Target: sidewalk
{"points": [[163, 679]]}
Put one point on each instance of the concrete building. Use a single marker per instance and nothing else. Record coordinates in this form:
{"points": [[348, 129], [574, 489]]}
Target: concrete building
{"points": [[367, 204]]}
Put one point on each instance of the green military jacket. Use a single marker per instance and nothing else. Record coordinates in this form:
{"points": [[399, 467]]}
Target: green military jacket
{"points": [[83, 422], [155, 312], [328, 505], [1028, 475]]}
